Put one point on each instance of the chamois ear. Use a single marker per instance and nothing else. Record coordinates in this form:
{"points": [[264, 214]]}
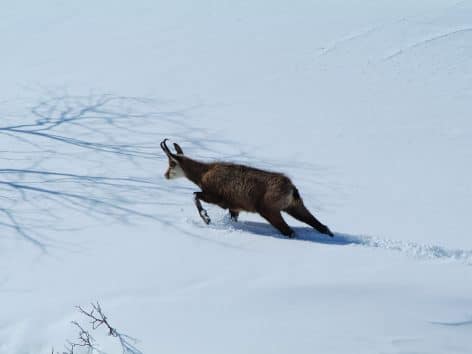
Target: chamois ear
{"points": [[178, 149]]}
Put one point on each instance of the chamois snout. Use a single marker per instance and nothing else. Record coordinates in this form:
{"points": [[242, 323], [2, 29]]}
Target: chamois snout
{"points": [[174, 170], [167, 174]]}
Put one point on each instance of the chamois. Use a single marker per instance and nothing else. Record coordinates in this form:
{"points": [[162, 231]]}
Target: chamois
{"points": [[242, 188]]}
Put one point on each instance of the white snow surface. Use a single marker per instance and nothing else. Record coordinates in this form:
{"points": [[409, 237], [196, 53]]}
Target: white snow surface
{"points": [[366, 105]]}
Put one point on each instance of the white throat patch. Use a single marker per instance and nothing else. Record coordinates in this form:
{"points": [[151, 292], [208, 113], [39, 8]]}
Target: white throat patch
{"points": [[176, 172]]}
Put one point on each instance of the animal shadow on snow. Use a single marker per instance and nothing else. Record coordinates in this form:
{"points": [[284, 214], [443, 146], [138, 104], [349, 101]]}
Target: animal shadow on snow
{"points": [[416, 250], [301, 233]]}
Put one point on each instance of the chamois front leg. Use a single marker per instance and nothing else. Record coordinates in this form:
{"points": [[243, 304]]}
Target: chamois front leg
{"points": [[201, 211]]}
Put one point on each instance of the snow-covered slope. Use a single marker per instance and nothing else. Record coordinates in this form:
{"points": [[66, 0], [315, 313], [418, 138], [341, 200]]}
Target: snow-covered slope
{"points": [[365, 105]]}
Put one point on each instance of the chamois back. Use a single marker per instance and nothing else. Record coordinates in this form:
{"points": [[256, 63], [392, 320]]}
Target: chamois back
{"points": [[247, 188]]}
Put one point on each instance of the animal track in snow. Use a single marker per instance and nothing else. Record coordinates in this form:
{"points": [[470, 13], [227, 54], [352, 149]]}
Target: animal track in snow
{"points": [[426, 41]]}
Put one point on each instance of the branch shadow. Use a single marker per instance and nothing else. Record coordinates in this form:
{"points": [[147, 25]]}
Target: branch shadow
{"points": [[66, 157], [50, 150]]}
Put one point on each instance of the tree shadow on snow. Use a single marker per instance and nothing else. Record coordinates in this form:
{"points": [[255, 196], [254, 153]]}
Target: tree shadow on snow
{"points": [[70, 159]]}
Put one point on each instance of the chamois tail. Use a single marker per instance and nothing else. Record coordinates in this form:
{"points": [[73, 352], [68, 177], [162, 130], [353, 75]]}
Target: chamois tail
{"points": [[296, 194]]}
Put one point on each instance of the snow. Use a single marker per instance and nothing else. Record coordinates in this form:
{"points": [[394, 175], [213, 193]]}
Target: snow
{"points": [[365, 105]]}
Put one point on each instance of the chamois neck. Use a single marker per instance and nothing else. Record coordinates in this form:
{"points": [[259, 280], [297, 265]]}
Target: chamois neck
{"points": [[194, 170]]}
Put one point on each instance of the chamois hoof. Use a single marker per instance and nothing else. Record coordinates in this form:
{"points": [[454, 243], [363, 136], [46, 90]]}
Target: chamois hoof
{"points": [[324, 230], [288, 233], [206, 219]]}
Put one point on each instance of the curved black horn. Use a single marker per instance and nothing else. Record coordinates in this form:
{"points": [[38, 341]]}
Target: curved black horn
{"points": [[165, 148]]}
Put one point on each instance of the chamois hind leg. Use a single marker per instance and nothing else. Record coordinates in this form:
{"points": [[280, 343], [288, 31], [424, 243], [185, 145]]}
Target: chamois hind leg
{"points": [[300, 212], [275, 218], [233, 214]]}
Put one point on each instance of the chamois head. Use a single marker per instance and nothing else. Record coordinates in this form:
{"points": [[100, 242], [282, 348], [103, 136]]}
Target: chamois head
{"points": [[174, 170]]}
